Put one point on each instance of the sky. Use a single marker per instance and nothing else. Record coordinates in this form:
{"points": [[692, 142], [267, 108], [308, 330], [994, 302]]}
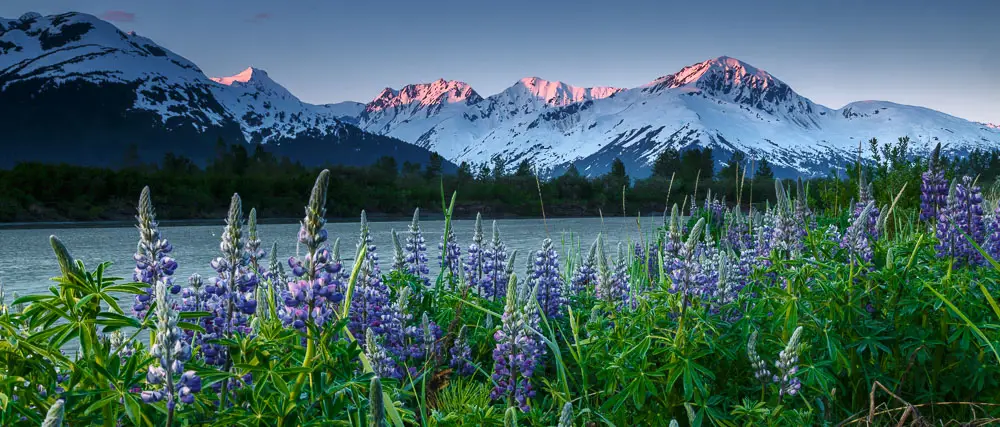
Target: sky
{"points": [[938, 54]]}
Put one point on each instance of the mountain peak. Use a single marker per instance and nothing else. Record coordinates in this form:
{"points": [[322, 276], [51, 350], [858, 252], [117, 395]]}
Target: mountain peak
{"points": [[244, 76], [557, 93], [440, 91], [723, 69]]}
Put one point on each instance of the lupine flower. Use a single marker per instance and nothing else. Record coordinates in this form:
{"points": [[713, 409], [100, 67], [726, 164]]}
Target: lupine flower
{"points": [[856, 238], [152, 261], [254, 254], [416, 250], [475, 258], [275, 277], [452, 255], [787, 366], [365, 239], [674, 235], [231, 293], [372, 308], [518, 350], [493, 283], [786, 236], [461, 354], [382, 364], [760, 371], [963, 216], [317, 290], [398, 258], [548, 280], [653, 262], [933, 188], [171, 351], [585, 276], [639, 252], [992, 244], [620, 289], [686, 273]]}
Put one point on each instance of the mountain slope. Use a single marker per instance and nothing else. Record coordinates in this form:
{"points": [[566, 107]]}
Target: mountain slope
{"points": [[76, 89], [722, 103]]}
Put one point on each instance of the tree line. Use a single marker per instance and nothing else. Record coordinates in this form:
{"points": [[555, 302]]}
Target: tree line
{"points": [[48, 192]]}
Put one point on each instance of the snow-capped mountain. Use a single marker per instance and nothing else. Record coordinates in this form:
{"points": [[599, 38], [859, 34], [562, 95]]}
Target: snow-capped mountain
{"points": [[721, 103], [73, 78], [75, 88]]}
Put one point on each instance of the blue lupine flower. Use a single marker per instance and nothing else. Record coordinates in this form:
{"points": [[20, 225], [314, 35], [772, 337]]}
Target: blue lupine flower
{"points": [[518, 350], [493, 283], [452, 262], [585, 277], [152, 261], [962, 219], [787, 366], [416, 250], [230, 296], [547, 279], [461, 354], [856, 239], [170, 351], [476, 258], [933, 188]]}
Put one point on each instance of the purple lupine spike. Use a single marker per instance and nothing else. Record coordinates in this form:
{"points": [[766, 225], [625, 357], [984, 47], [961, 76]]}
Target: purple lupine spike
{"points": [[787, 366], [620, 288], [229, 297], [152, 257], [585, 277], [493, 283], [452, 262], [170, 351], [382, 364], [548, 280], [461, 354], [856, 239], [416, 250], [933, 188], [961, 220], [518, 350], [475, 257], [687, 273], [369, 303]]}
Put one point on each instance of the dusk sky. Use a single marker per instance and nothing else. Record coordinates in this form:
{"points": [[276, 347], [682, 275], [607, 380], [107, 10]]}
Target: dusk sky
{"points": [[943, 55]]}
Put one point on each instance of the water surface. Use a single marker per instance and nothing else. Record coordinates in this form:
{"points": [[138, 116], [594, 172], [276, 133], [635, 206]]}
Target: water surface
{"points": [[27, 262]]}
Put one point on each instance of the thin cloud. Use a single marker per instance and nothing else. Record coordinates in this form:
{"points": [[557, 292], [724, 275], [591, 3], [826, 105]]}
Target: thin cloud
{"points": [[118, 16], [260, 17]]}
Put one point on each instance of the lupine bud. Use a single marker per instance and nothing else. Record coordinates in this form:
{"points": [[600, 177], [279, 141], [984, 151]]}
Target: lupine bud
{"points": [[760, 371], [398, 259], [54, 417], [67, 265], [566, 417], [376, 404], [510, 417]]}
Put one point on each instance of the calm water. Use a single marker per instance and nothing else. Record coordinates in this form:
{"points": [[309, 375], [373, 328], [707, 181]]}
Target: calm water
{"points": [[27, 262]]}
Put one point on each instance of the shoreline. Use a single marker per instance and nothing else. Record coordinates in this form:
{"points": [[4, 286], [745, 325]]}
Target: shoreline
{"points": [[268, 221]]}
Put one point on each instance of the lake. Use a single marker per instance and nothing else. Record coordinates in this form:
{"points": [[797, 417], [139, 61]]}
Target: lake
{"points": [[27, 263]]}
